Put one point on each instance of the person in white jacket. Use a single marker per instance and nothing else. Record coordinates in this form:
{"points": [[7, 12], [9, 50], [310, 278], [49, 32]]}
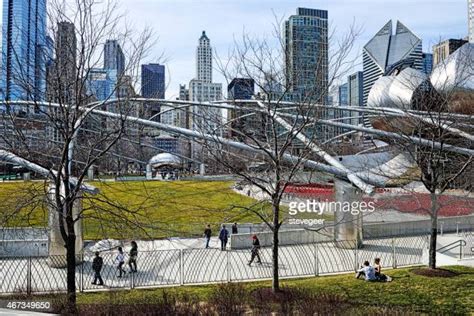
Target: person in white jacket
{"points": [[120, 260]]}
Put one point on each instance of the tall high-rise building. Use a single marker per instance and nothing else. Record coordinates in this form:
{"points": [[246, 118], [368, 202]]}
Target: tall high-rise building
{"points": [[243, 121], [61, 74], [153, 81], [204, 59], [202, 89], [442, 50], [101, 83], [306, 54], [386, 49], [355, 84], [114, 57], [427, 63], [470, 12], [23, 45], [343, 94]]}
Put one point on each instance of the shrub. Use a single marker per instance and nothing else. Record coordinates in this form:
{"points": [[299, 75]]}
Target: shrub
{"points": [[229, 299]]}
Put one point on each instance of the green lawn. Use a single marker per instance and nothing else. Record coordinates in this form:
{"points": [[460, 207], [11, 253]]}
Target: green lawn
{"points": [[408, 292], [160, 209]]}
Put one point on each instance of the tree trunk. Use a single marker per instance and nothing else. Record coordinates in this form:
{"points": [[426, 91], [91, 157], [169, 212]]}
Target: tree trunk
{"points": [[276, 229], [433, 231], [71, 265]]}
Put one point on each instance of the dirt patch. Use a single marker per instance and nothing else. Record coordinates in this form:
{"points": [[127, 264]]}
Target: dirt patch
{"points": [[436, 273]]}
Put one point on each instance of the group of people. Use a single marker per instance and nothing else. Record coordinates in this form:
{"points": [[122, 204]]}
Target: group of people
{"points": [[367, 271], [98, 263], [223, 235], [373, 273]]}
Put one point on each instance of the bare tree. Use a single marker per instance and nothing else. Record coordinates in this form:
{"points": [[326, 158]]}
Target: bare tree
{"points": [[62, 134], [279, 145]]}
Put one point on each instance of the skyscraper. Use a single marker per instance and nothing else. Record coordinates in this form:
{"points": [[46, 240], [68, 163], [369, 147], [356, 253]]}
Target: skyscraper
{"points": [[427, 63], [202, 89], [114, 57], [355, 84], [306, 54], [61, 74], [101, 83], [204, 59], [386, 49], [243, 121], [343, 94], [153, 81], [470, 12], [445, 48], [23, 45]]}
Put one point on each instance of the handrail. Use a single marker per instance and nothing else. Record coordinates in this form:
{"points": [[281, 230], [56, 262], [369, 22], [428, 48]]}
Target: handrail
{"points": [[458, 243]]}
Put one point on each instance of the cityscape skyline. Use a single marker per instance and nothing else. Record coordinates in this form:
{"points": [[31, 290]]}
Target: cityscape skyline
{"points": [[448, 19], [24, 50]]}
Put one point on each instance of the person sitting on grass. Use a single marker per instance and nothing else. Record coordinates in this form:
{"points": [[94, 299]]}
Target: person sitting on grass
{"points": [[378, 272], [367, 271]]}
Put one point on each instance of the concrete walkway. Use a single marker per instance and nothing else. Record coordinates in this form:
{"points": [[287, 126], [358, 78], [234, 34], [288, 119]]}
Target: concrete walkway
{"points": [[177, 264]]}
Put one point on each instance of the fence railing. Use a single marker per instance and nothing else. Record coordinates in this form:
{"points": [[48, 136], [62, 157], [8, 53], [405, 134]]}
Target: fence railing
{"points": [[200, 266]]}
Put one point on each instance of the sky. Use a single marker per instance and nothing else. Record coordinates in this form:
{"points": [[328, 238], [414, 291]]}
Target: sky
{"points": [[177, 25]]}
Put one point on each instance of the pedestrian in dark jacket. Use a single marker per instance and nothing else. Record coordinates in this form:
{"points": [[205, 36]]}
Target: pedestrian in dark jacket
{"points": [[255, 252], [223, 237], [132, 261], [207, 235], [235, 229], [97, 264]]}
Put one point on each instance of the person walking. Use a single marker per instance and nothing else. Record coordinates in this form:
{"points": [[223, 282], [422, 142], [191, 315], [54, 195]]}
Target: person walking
{"points": [[223, 237], [235, 230], [132, 261], [97, 264], [120, 260], [255, 253], [207, 235]]}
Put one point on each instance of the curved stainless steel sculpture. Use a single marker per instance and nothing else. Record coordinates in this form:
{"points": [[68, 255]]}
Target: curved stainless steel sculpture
{"points": [[454, 79], [401, 91], [456, 72], [410, 89], [165, 159]]}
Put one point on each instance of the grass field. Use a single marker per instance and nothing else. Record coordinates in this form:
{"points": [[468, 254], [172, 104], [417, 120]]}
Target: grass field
{"points": [[408, 293], [160, 209]]}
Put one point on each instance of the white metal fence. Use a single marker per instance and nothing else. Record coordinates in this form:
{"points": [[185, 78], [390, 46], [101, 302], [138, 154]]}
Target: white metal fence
{"points": [[201, 266]]}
